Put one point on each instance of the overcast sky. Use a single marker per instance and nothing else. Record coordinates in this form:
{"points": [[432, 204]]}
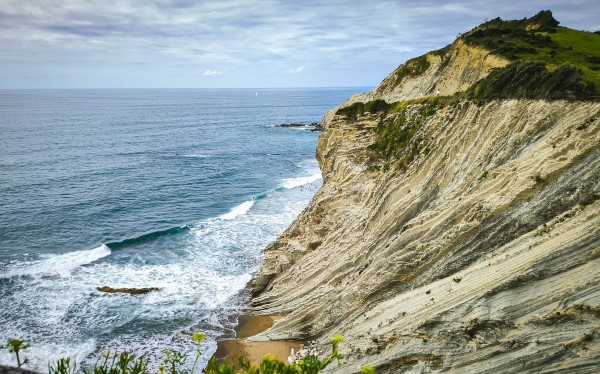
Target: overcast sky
{"points": [[239, 43]]}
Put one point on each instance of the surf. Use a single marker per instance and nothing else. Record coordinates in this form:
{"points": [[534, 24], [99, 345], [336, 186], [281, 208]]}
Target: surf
{"points": [[239, 210], [147, 237], [156, 199], [61, 264], [290, 183]]}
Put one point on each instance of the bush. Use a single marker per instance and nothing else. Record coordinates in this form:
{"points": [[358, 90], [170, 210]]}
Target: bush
{"points": [[542, 21], [531, 80], [357, 109], [509, 43]]}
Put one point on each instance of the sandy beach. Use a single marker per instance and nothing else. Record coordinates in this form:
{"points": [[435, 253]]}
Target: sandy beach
{"points": [[231, 349]]}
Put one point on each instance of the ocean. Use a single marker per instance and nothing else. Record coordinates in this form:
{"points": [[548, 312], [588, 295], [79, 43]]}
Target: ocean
{"points": [[175, 189]]}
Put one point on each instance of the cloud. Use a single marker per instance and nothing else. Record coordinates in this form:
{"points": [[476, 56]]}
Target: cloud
{"points": [[212, 73], [297, 70], [253, 41]]}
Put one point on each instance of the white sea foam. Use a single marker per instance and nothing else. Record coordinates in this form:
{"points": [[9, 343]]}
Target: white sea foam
{"points": [[239, 210], [194, 155], [61, 264], [290, 183], [40, 355]]}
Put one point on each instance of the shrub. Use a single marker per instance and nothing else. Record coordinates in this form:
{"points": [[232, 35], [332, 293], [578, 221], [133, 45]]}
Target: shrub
{"points": [[542, 21], [126, 363], [531, 80], [509, 43]]}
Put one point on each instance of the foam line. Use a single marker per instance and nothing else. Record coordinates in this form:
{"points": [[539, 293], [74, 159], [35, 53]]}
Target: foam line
{"points": [[61, 264], [290, 183], [237, 211]]}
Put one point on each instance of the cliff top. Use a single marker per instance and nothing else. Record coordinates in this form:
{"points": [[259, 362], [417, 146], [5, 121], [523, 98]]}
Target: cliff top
{"points": [[566, 61], [531, 58]]}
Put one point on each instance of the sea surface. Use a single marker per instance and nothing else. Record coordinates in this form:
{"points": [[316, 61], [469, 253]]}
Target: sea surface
{"points": [[175, 189]]}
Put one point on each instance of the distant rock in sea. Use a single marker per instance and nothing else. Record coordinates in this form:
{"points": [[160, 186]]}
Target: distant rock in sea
{"points": [[131, 291], [315, 126]]}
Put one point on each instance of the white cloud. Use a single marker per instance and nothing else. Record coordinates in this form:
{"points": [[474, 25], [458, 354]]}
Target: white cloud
{"points": [[297, 70], [212, 73], [247, 42]]}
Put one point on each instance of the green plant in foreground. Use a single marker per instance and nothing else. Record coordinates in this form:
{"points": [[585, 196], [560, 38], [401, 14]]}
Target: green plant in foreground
{"points": [[15, 346], [63, 366], [117, 363], [268, 365], [174, 359], [127, 363], [198, 338], [335, 354]]}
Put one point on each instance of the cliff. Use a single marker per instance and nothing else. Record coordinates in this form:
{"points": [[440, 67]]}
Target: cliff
{"points": [[453, 232], [444, 72]]}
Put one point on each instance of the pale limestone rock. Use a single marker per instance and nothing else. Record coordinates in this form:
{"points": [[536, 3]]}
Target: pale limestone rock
{"points": [[482, 255], [438, 268], [464, 66]]}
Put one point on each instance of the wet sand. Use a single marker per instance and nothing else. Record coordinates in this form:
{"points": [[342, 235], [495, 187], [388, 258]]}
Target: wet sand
{"points": [[248, 326]]}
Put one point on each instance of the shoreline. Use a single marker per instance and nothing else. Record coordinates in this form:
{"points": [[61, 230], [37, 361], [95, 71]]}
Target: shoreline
{"points": [[247, 326]]}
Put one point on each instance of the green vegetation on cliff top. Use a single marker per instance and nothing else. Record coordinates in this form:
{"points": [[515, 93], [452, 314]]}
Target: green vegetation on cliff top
{"points": [[548, 62], [536, 40], [539, 39]]}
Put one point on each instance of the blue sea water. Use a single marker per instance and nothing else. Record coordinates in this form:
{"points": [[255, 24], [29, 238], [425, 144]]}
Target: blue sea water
{"points": [[175, 189]]}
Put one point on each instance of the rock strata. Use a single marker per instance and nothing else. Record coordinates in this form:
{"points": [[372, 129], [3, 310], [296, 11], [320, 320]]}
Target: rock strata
{"points": [[481, 254]]}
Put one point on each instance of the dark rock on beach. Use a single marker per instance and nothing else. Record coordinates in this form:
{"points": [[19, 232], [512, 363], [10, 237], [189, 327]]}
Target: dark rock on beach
{"points": [[132, 291]]}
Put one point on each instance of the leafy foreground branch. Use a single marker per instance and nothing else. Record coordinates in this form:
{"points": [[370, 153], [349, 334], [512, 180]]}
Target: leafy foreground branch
{"points": [[174, 362]]}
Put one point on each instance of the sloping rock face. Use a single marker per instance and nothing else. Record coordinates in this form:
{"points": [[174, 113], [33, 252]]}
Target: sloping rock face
{"points": [[483, 255], [444, 72]]}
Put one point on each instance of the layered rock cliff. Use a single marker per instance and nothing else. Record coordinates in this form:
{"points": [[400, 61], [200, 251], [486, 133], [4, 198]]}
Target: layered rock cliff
{"points": [[475, 248], [444, 72]]}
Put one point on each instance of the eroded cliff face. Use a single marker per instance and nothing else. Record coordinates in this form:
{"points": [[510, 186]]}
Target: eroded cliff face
{"points": [[480, 255], [444, 72]]}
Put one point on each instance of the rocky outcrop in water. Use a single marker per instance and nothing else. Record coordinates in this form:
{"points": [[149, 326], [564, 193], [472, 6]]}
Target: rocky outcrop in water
{"points": [[131, 291], [479, 253]]}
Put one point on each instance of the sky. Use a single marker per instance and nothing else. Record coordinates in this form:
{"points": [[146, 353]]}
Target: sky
{"points": [[238, 43]]}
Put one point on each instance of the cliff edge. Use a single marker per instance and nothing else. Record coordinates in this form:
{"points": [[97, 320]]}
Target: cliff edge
{"points": [[458, 225]]}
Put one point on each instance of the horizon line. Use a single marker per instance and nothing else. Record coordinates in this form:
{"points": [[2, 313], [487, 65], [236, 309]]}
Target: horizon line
{"points": [[177, 88]]}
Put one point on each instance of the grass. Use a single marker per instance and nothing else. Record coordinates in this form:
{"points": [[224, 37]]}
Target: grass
{"points": [[417, 66], [581, 49], [411, 68], [548, 62], [355, 110], [567, 61], [576, 48], [532, 80], [397, 143], [553, 47]]}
